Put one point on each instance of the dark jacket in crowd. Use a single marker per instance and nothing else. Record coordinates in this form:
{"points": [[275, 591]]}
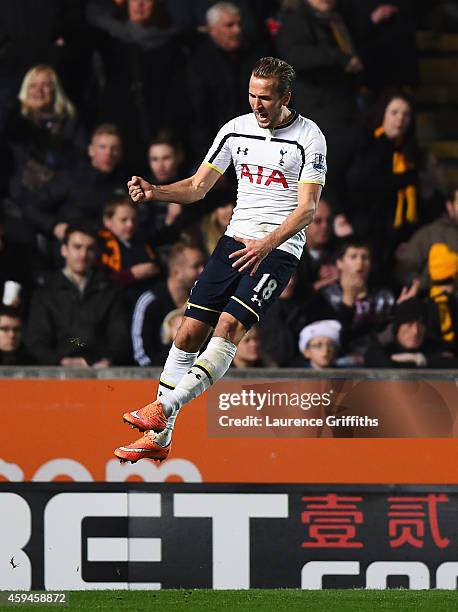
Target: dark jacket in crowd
{"points": [[76, 196], [279, 333], [322, 86], [373, 189], [388, 48], [146, 64], [21, 357], [29, 31], [117, 259], [91, 190], [308, 270], [39, 152], [151, 308], [189, 16], [323, 91], [379, 356], [215, 101], [358, 322], [84, 192], [64, 322]]}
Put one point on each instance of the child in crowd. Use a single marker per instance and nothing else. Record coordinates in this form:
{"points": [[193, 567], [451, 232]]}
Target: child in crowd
{"points": [[128, 261], [319, 343]]}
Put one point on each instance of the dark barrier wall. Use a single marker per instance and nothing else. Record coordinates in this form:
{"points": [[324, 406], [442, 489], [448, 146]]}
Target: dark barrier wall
{"points": [[66, 536]]}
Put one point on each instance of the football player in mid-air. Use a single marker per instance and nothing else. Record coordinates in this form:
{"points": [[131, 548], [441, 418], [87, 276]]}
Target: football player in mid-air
{"points": [[279, 158]]}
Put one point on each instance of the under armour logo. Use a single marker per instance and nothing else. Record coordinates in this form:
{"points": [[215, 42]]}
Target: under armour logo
{"points": [[282, 153], [240, 150], [256, 300], [198, 376]]}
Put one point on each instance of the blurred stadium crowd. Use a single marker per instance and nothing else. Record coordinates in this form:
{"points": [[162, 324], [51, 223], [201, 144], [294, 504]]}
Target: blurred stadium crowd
{"points": [[94, 91]]}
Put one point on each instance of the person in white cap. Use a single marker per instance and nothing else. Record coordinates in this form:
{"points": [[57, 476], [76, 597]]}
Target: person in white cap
{"points": [[319, 343]]}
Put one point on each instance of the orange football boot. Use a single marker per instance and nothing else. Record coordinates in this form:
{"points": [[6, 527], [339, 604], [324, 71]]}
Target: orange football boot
{"points": [[143, 448], [150, 417]]}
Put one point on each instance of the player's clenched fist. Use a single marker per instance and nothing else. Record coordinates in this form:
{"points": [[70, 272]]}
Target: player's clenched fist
{"points": [[140, 190]]}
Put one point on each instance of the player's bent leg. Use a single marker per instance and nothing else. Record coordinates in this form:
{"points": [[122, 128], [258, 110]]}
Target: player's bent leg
{"points": [[145, 447], [212, 364], [206, 302], [183, 353]]}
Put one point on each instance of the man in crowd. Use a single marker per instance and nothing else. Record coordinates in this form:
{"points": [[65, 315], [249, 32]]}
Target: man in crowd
{"points": [[224, 53], [360, 308], [12, 350], [78, 196], [91, 185], [411, 347], [155, 219], [315, 37], [412, 258], [78, 318], [316, 268], [185, 263]]}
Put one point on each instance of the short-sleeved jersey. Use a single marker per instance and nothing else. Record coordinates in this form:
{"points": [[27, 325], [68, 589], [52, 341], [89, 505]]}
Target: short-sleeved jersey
{"points": [[269, 165]]}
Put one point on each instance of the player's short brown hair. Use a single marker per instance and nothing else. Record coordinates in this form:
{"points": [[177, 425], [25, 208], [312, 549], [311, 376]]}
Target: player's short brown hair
{"points": [[274, 68]]}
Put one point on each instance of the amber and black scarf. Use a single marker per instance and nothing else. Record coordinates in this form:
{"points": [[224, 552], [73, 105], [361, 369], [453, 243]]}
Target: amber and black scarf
{"points": [[406, 204], [442, 300]]}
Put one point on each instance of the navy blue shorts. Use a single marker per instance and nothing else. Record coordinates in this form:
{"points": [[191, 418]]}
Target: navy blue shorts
{"points": [[222, 288]]}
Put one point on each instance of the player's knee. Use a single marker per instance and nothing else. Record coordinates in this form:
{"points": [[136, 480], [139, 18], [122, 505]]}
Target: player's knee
{"points": [[230, 328], [191, 335]]}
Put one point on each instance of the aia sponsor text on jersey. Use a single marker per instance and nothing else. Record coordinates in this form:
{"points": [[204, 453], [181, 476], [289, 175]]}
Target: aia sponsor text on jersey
{"points": [[257, 176]]}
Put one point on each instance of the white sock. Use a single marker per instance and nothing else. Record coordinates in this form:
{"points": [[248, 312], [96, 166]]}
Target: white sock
{"points": [[209, 367], [177, 364]]}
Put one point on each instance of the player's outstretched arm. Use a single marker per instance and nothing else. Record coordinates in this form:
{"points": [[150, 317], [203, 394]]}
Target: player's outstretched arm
{"points": [[256, 250], [186, 191]]}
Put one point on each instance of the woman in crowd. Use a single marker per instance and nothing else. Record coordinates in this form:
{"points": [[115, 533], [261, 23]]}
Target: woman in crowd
{"points": [[45, 137], [142, 59], [46, 124], [382, 180]]}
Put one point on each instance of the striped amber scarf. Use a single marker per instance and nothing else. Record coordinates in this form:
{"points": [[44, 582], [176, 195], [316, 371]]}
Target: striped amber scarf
{"points": [[406, 196], [440, 297]]}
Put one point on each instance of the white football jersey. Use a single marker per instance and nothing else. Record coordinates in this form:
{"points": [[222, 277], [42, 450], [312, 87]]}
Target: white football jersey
{"points": [[269, 164]]}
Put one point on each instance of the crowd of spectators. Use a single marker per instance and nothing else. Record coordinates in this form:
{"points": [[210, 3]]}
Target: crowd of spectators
{"points": [[94, 91]]}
